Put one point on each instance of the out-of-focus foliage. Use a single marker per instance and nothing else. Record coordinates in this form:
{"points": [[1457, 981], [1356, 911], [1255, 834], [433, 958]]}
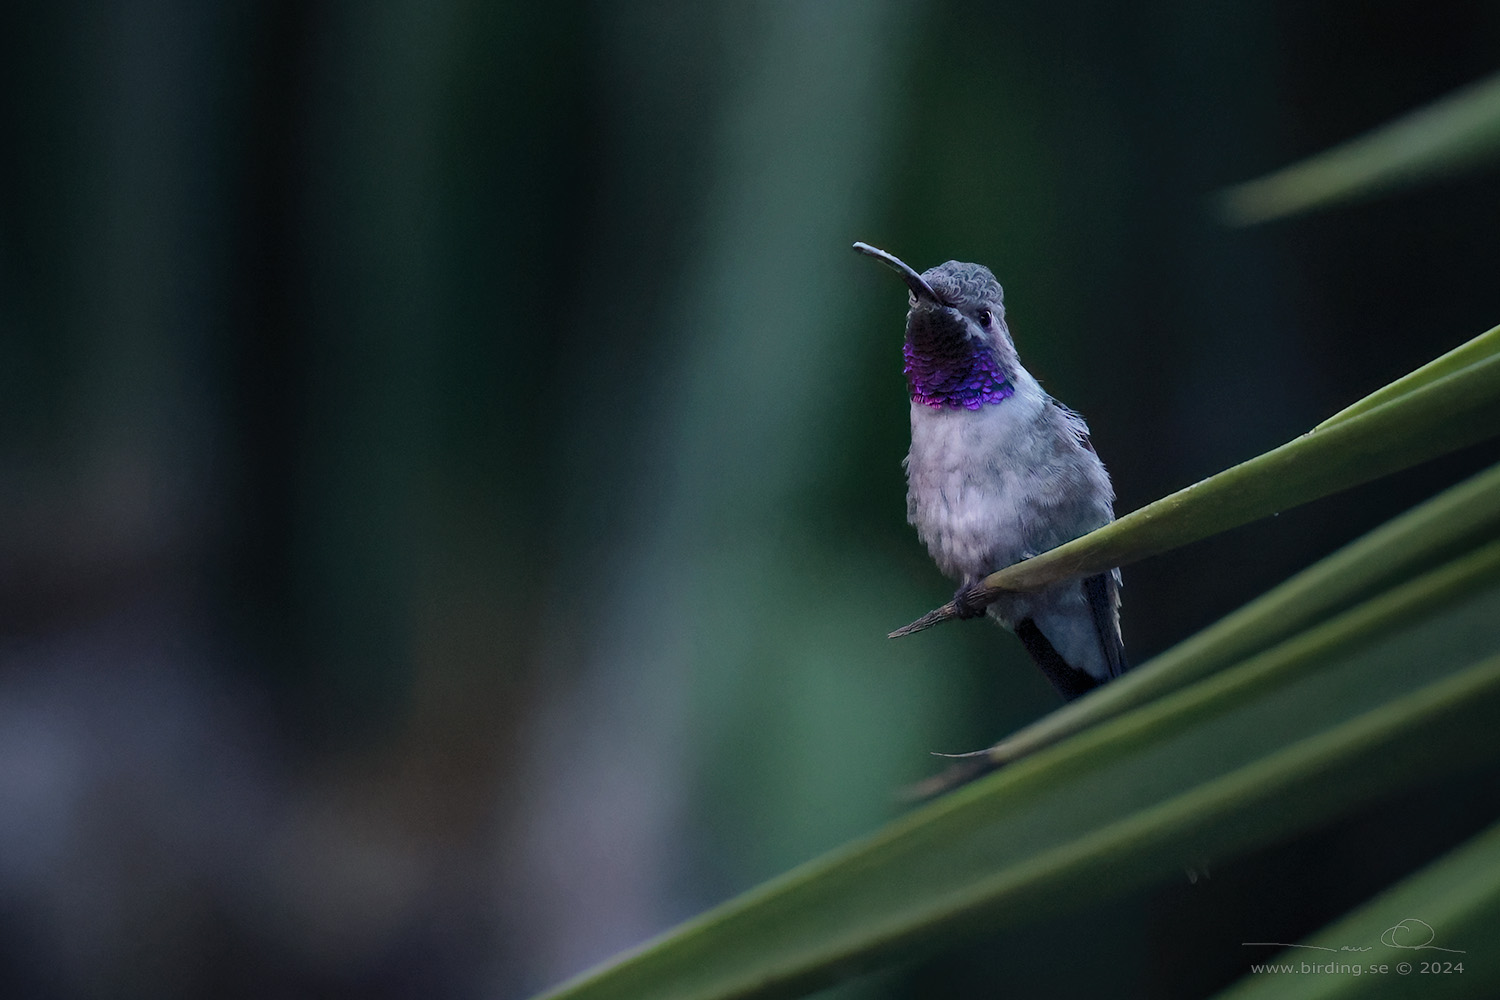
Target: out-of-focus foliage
{"points": [[1456, 133]]}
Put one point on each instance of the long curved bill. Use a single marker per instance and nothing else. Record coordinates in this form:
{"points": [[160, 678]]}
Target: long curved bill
{"points": [[919, 287]]}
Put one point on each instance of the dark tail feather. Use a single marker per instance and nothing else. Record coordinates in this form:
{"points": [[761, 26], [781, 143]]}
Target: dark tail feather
{"points": [[1070, 683], [1102, 593]]}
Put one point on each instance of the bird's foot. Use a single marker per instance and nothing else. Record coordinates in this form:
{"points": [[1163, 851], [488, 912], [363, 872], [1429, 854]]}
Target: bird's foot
{"points": [[969, 602]]}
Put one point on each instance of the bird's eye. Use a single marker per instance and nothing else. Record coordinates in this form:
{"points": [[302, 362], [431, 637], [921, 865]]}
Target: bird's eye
{"points": [[983, 316]]}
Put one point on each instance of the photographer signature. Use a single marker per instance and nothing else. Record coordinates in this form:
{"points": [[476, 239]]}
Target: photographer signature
{"points": [[1410, 934]]}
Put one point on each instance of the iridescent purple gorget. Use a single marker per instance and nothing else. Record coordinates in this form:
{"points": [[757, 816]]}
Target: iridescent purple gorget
{"points": [[955, 376]]}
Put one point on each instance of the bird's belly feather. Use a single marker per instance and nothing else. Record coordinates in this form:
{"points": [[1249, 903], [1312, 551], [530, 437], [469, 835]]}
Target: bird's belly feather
{"points": [[973, 485]]}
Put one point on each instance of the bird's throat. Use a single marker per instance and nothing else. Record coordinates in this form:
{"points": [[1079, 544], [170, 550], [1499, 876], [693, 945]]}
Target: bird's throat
{"points": [[949, 373]]}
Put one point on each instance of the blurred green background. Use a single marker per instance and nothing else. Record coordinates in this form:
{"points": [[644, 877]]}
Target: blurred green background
{"points": [[450, 489]]}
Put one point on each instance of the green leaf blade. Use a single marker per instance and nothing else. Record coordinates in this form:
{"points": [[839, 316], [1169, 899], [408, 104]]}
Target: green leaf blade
{"points": [[1458, 409], [1462, 517], [1451, 134], [1181, 782]]}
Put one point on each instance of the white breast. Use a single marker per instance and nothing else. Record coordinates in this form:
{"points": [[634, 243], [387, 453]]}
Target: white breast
{"points": [[971, 477]]}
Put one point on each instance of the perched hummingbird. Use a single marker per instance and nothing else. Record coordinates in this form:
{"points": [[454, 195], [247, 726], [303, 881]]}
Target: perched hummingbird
{"points": [[999, 471]]}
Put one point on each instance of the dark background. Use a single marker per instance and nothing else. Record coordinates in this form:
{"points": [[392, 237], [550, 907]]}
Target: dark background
{"points": [[450, 489]]}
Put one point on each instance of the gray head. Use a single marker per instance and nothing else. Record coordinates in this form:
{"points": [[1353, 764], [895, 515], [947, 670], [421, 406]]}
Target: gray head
{"points": [[958, 349]]}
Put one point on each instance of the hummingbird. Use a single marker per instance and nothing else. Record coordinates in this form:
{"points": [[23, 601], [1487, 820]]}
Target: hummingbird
{"points": [[999, 471]]}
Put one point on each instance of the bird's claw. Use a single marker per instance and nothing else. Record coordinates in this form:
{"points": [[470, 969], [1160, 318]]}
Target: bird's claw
{"points": [[968, 602]]}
